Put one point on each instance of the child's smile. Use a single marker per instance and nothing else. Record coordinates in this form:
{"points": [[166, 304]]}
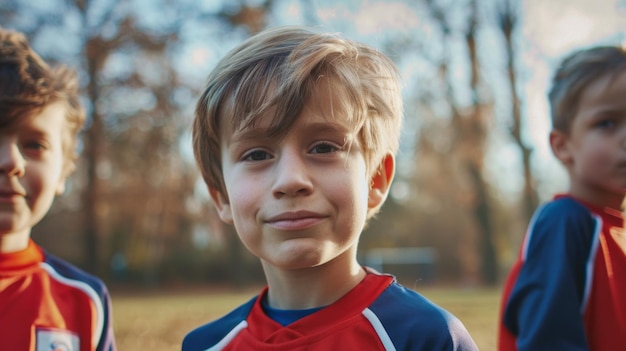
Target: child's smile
{"points": [[295, 220], [9, 196]]}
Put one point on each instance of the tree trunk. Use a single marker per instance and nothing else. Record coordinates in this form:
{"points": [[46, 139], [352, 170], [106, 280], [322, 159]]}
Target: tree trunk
{"points": [[90, 196]]}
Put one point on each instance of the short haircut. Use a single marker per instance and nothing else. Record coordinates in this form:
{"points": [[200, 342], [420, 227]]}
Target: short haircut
{"points": [[279, 69], [28, 85], [576, 72]]}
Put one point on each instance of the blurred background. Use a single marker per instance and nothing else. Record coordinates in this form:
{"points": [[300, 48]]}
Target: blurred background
{"points": [[474, 160]]}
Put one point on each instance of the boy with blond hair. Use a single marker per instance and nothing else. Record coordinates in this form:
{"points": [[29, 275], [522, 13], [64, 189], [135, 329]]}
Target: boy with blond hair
{"points": [[295, 136], [567, 290], [45, 302]]}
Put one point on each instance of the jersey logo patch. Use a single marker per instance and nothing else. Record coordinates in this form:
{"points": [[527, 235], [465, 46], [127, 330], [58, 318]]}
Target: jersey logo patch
{"points": [[49, 339]]}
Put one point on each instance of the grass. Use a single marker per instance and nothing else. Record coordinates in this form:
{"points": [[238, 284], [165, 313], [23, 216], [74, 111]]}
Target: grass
{"points": [[159, 321], [476, 308]]}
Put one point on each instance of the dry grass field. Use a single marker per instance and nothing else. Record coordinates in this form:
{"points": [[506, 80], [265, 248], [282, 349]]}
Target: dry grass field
{"points": [[158, 320]]}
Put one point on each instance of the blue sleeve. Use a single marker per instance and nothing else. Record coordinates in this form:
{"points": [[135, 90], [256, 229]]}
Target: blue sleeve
{"points": [[544, 309], [414, 323]]}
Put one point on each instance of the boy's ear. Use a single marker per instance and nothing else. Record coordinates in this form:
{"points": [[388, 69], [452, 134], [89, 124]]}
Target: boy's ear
{"points": [[560, 147], [60, 187], [222, 205], [381, 181], [68, 168], [61, 182]]}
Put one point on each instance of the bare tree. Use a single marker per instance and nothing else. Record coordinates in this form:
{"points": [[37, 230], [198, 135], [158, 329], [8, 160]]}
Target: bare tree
{"points": [[508, 22], [468, 135]]}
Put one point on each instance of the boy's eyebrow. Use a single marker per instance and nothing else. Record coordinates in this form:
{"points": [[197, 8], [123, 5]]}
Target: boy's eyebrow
{"points": [[35, 133], [249, 134], [610, 110], [328, 126], [35, 130], [313, 127]]}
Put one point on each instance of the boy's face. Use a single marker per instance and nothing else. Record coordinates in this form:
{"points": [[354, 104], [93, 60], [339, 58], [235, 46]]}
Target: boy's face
{"points": [[31, 164], [594, 151], [300, 201]]}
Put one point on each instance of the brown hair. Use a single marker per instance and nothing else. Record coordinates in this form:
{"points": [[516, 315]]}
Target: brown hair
{"points": [[28, 84], [575, 73], [279, 69]]}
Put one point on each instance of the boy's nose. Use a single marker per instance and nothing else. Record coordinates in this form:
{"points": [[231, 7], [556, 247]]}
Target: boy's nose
{"points": [[291, 176], [12, 162]]}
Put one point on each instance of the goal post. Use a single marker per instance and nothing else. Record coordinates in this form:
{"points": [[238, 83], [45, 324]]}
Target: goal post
{"points": [[416, 262]]}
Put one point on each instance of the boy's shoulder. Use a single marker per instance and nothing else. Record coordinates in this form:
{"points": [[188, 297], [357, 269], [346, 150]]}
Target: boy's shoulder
{"points": [[410, 318], [563, 211], [209, 334], [565, 205], [70, 274], [398, 299], [563, 224]]}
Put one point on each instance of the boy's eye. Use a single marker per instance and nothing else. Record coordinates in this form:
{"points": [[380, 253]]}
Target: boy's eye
{"points": [[606, 124], [35, 145], [324, 148], [256, 155]]}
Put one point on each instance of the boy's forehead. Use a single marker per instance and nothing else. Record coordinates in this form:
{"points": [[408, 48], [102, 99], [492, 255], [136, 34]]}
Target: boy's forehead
{"points": [[34, 116], [321, 107], [607, 88]]}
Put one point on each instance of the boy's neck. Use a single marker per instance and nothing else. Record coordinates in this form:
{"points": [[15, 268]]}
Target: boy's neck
{"points": [[312, 287], [602, 200], [14, 242]]}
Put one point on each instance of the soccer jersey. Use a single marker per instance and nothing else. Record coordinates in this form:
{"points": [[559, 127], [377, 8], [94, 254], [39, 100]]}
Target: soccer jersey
{"points": [[48, 304], [567, 290], [377, 314]]}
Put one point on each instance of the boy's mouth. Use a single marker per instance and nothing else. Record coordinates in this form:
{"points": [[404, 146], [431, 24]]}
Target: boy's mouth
{"points": [[293, 215], [10, 195], [295, 220]]}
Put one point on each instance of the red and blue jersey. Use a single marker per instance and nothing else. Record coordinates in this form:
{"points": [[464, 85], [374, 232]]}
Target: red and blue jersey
{"points": [[567, 290], [377, 314], [48, 304]]}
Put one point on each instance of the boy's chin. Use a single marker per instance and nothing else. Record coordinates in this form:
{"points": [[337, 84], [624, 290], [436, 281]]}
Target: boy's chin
{"points": [[8, 226], [298, 263]]}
